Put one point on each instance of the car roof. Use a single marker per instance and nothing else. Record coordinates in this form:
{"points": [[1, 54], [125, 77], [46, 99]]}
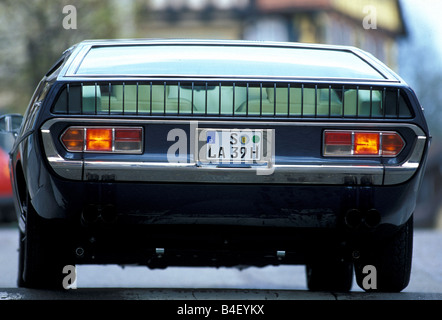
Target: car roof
{"points": [[221, 59]]}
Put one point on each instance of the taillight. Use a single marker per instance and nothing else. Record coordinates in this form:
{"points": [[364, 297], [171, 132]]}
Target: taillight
{"points": [[128, 139], [392, 144], [103, 139], [367, 143], [99, 139], [73, 139], [362, 143]]}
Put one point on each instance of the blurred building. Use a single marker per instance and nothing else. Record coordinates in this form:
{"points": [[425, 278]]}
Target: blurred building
{"points": [[372, 25]]}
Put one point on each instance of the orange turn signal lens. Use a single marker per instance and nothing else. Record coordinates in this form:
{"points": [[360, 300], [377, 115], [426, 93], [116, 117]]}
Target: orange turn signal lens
{"points": [[366, 143], [99, 139]]}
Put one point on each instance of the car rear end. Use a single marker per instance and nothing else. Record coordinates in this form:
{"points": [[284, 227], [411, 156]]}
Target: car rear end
{"points": [[248, 156]]}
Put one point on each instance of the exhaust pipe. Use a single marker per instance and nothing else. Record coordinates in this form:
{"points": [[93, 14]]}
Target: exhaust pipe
{"points": [[109, 213], [354, 218], [89, 214], [372, 218]]}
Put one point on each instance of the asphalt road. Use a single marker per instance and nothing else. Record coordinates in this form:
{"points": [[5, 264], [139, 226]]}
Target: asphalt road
{"points": [[269, 283]]}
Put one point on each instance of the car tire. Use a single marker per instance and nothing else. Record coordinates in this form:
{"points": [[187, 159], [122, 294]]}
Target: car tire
{"points": [[43, 252], [391, 260], [333, 275]]}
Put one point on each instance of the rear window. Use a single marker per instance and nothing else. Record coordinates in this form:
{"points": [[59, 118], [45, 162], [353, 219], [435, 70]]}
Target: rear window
{"points": [[225, 61]]}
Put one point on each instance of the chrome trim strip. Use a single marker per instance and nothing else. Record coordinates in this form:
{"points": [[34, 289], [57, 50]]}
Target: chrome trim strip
{"points": [[312, 80], [191, 172], [403, 172], [69, 169], [228, 78], [284, 174], [265, 123]]}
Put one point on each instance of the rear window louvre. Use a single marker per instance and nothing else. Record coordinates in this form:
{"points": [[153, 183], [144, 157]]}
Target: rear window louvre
{"points": [[232, 99]]}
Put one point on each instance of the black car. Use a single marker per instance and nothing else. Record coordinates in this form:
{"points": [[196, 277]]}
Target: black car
{"points": [[220, 153]]}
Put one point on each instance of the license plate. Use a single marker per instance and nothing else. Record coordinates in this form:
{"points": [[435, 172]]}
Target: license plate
{"points": [[226, 146]]}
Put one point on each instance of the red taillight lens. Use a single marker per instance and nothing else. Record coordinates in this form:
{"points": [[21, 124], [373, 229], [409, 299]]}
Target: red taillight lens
{"points": [[337, 143], [362, 143], [338, 138], [128, 139], [103, 139]]}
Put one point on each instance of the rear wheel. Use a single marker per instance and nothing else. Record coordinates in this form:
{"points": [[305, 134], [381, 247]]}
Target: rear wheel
{"points": [[386, 266], [334, 275], [43, 252]]}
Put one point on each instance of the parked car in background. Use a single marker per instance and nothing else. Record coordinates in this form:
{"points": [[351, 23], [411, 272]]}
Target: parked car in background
{"points": [[7, 213], [8, 128], [220, 153]]}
